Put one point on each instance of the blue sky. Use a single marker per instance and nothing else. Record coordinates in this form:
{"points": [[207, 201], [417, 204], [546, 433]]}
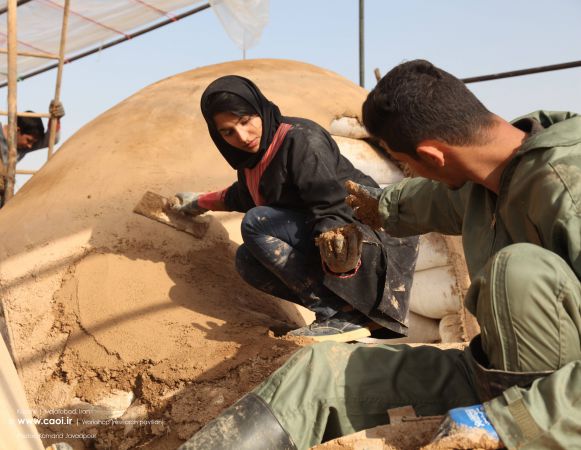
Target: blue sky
{"points": [[466, 38]]}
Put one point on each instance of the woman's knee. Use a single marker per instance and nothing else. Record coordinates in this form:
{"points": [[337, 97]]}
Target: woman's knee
{"points": [[252, 221], [248, 267]]}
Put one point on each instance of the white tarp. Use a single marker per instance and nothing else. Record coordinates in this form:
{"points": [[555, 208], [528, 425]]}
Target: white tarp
{"points": [[243, 20], [93, 23]]}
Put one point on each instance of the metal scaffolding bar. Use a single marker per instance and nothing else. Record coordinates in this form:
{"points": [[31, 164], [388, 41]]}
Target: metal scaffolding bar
{"points": [[518, 73], [362, 43]]}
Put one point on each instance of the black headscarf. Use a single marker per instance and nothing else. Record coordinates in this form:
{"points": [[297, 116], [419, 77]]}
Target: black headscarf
{"points": [[268, 112]]}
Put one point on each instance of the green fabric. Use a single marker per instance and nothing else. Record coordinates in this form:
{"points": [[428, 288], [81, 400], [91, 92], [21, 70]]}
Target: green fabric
{"points": [[329, 389], [528, 303], [527, 300], [539, 200]]}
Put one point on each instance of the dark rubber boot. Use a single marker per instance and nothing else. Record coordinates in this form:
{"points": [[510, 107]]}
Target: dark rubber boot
{"points": [[248, 424]]}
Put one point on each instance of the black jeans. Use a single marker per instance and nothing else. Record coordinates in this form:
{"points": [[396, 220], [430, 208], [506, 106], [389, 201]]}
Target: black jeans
{"points": [[279, 257]]}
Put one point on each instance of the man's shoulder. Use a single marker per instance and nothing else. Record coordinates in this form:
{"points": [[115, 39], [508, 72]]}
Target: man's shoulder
{"points": [[557, 129]]}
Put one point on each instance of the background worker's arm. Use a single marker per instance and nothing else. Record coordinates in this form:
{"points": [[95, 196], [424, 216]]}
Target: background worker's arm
{"points": [[57, 111], [412, 206], [546, 415]]}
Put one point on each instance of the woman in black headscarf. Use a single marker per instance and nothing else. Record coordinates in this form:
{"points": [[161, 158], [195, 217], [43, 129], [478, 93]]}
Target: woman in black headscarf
{"points": [[291, 188]]}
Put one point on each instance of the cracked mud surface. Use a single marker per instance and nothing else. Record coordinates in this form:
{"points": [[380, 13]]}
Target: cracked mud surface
{"points": [[183, 367]]}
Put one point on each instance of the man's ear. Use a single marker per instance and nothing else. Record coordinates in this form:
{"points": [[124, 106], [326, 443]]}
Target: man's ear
{"points": [[431, 154]]}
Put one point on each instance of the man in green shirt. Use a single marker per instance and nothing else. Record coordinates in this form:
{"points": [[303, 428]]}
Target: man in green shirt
{"points": [[513, 191]]}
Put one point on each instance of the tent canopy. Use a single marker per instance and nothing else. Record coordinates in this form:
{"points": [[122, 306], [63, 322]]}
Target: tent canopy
{"points": [[93, 24]]}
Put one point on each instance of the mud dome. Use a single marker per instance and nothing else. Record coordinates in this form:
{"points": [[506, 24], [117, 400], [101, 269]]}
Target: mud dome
{"points": [[104, 309]]}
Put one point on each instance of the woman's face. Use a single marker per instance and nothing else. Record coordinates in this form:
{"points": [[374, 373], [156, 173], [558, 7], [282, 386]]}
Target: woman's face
{"points": [[244, 132]]}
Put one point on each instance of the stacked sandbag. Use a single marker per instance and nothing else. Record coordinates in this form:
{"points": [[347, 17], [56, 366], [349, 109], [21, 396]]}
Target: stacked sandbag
{"points": [[440, 281]]}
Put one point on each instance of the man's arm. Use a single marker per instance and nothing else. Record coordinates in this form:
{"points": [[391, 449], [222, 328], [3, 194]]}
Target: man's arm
{"points": [[412, 206]]}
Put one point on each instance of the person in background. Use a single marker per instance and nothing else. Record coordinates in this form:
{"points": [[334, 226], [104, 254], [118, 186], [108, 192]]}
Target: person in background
{"points": [[291, 190], [30, 136]]}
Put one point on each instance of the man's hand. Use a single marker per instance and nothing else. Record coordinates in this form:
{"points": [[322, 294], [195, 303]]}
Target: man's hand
{"points": [[340, 248], [56, 109], [187, 203], [465, 428], [365, 201]]}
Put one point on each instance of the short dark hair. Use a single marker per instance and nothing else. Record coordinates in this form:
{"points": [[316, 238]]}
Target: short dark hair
{"points": [[416, 101], [31, 125], [222, 102]]}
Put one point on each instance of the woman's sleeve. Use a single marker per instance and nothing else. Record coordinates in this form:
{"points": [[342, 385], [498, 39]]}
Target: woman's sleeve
{"points": [[313, 168], [238, 198]]}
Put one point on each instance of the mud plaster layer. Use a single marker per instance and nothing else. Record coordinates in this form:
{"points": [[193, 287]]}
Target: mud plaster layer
{"points": [[210, 346]]}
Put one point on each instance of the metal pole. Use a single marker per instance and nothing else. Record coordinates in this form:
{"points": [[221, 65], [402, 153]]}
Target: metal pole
{"points": [[361, 43], [12, 79], [59, 77], [518, 73]]}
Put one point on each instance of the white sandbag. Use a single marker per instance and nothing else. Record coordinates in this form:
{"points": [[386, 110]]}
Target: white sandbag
{"points": [[422, 329], [369, 160], [349, 127], [452, 328], [433, 252], [434, 293]]}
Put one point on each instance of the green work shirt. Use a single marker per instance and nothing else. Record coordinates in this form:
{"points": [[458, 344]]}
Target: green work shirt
{"points": [[539, 202], [539, 199]]}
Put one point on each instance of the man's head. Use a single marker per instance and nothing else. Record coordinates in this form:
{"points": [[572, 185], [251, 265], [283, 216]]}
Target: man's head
{"points": [[417, 102], [30, 131]]}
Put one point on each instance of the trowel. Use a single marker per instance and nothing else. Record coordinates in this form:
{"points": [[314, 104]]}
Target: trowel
{"points": [[158, 208]]}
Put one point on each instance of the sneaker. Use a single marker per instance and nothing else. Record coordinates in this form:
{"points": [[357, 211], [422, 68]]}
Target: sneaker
{"points": [[339, 328]]}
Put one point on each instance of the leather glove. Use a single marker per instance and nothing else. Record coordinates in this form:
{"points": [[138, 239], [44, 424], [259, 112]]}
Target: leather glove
{"points": [[56, 109], [340, 248], [187, 203], [467, 427], [365, 202]]}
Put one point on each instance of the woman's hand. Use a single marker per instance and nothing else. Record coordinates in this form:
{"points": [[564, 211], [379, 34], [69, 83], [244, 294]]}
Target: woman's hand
{"points": [[341, 248], [187, 203]]}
